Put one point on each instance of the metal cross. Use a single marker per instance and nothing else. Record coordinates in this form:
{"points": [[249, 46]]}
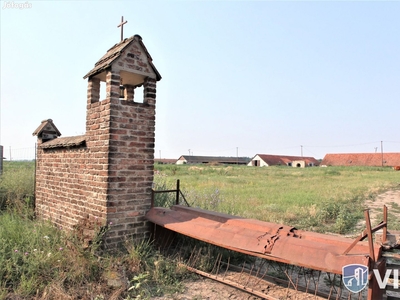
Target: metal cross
{"points": [[122, 27]]}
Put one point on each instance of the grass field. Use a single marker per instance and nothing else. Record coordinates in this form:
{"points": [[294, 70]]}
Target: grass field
{"points": [[318, 199], [38, 260], [17, 183]]}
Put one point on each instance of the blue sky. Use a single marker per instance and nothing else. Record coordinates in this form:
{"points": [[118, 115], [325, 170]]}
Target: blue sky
{"points": [[239, 77]]}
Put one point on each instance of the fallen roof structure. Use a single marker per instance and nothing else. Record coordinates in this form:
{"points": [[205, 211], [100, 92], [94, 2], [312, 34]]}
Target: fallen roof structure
{"points": [[329, 254], [263, 239]]}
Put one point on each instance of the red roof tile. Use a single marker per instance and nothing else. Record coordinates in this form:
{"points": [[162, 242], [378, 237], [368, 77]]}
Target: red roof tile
{"points": [[115, 52], [362, 159], [46, 125], [68, 141]]}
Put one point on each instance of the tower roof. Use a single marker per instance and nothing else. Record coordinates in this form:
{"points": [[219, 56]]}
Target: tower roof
{"points": [[45, 127], [135, 60]]}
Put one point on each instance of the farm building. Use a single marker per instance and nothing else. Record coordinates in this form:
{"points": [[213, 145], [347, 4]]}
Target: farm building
{"points": [[165, 161], [190, 159], [266, 160], [362, 159]]}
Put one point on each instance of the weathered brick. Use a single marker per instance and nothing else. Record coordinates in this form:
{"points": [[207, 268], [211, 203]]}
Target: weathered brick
{"points": [[110, 177]]}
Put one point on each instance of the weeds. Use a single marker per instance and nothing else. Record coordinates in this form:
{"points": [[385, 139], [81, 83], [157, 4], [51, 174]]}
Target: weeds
{"points": [[35, 256], [152, 274], [37, 259], [16, 186], [317, 199], [163, 199]]}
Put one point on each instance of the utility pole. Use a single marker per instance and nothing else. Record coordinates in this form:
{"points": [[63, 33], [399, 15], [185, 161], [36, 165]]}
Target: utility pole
{"points": [[237, 155], [301, 146], [382, 151]]}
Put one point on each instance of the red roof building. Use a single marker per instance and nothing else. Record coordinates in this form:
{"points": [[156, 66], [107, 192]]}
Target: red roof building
{"points": [[362, 159], [266, 160]]}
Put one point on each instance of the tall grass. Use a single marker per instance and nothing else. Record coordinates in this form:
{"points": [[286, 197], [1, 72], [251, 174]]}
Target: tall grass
{"points": [[17, 184], [39, 260], [35, 254]]}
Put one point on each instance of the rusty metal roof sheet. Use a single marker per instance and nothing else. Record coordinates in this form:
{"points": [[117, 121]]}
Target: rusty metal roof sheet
{"points": [[362, 159], [263, 239], [69, 141], [115, 52]]}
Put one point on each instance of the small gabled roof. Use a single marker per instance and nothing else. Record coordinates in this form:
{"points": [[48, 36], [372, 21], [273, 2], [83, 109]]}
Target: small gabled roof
{"points": [[68, 141], [274, 160], [48, 126], [115, 52]]}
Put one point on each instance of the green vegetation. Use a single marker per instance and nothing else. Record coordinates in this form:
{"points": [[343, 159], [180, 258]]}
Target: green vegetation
{"points": [[35, 254], [38, 260], [318, 199], [16, 184]]}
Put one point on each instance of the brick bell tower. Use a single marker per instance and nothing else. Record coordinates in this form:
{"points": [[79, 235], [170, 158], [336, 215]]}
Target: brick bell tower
{"points": [[120, 131]]}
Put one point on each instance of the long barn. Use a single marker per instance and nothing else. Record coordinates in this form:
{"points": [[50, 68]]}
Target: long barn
{"points": [[362, 159]]}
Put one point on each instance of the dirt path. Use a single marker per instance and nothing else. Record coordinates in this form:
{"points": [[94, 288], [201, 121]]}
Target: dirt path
{"points": [[207, 289], [391, 199]]}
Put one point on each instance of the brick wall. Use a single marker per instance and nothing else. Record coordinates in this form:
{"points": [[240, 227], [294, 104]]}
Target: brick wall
{"points": [[109, 178]]}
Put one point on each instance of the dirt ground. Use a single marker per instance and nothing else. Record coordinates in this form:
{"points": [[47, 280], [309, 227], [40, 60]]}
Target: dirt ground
{"points": [[391, 199], [204, 289], [207, 289]]}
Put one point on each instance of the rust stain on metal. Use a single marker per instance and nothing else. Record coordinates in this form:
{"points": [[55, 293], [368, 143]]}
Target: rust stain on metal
{"points": [[270, 243], [264, 239]]}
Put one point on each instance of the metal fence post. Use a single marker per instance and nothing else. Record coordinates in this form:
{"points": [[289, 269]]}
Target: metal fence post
{"points": [[177, 192]]}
